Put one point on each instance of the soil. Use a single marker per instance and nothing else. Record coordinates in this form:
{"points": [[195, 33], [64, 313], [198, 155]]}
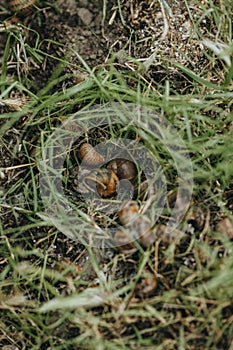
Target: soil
{"points": [[142, 29]]}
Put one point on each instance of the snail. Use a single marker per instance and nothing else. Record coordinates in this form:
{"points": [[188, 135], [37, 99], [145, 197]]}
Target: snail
{"points": [[140, 230], [107, 182], [90, 156], [128, 211], [104, 181], [22, 7], [124, 168], [124, 241], [137, 228]]}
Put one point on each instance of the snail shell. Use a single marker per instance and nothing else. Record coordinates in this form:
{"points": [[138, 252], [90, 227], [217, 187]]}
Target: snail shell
{"points": [[124, 168], [145, 190], [141, 229], [107, 182], [90, 156], [128, 212], [22, 7], [104, 181], [137, 230], [125, 242], [138, 225]]}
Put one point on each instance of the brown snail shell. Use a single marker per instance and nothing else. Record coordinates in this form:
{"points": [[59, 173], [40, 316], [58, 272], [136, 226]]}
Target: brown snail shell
{"points": [[128, 212], [125, 242], [124, 168], [90, 156], [107, 183], [141, 229], [138, 229], [104, 181], [21, 7]]}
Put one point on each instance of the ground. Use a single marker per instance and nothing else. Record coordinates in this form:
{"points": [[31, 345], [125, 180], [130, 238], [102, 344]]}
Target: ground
{"points": [[174, 57]]}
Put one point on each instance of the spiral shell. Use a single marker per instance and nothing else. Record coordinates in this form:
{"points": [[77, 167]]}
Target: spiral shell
{"points": [[137, 228], [107, 183], [90, 156], [125, 190], [125, 242], [140, 230], [124, 168], [104, 181], [128, 212], [21, 7]]}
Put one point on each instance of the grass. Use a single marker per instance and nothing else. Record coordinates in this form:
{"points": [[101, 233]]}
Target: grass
{"points": [[58, 294]]}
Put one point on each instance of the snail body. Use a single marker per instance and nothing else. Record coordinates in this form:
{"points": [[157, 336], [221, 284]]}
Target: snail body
{"points": [[90, 156], [124, 168], [22, 7]]}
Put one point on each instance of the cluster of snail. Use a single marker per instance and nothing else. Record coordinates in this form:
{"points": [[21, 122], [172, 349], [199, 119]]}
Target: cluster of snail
{"points": [[105, 180], [21, 7]]}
